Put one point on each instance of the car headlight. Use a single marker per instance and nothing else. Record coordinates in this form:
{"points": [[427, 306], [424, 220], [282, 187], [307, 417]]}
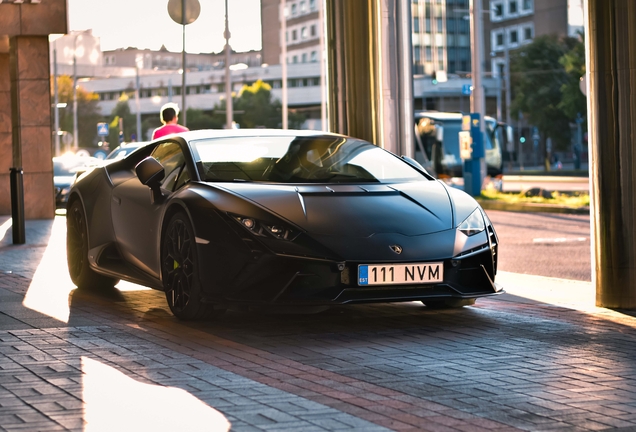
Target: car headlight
{"points": [[265, 229], [473, 224]]}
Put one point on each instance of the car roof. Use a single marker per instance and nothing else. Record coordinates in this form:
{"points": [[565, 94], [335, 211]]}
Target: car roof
{"points": [[223, 133]]}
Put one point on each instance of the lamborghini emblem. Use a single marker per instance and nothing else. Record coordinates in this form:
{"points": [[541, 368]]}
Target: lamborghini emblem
{"points": [[396, 248]]}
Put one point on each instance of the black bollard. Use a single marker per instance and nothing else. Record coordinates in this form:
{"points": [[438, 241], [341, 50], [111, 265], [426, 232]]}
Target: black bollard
{"points": [[17, 205]]}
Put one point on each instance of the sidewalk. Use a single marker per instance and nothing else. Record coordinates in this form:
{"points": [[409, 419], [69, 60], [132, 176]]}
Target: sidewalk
{"points": [[541, 357]]}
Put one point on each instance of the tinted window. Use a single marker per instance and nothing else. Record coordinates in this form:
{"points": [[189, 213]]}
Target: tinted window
{"points": [[284, 159], [171, 157]]}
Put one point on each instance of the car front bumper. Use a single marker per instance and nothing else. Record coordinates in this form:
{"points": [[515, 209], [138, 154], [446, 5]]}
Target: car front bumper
{"points": [[286, 280]]}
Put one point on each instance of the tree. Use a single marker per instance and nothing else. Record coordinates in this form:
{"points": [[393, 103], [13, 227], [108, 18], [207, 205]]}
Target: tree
{"points": [[255, 107], [121, 111], [87, 111], [573, 102], [197, 119], [537, 78]]}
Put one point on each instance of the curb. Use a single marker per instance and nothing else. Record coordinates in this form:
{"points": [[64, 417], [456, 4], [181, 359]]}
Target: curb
{"points": [[531, 207]]}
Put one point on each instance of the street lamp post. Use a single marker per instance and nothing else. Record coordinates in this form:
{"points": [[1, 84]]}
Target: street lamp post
{"points": [[75, 107], [507, 80], [137, 103], [477, 38], [75, 127], [323, 97], [184, 12], [283, 44], [229, 114], [475, 165]]}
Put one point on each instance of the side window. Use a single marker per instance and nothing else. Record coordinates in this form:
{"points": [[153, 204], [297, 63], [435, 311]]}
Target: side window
{"points": [[173, 160]]}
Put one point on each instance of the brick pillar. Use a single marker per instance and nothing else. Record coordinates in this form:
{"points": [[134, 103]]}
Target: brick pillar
{"points": [[31, 122], [6, 147]]}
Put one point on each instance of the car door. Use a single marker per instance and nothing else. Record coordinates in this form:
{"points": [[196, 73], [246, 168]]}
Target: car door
{"points": [[137, 217]]}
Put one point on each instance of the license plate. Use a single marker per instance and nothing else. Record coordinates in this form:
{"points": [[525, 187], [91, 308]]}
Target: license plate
{"points": [[400, 274]]}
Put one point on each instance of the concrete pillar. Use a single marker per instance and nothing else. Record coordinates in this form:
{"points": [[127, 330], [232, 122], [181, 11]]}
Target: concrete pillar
{"points": [[31, 122], [611, 68], [369, 71]]}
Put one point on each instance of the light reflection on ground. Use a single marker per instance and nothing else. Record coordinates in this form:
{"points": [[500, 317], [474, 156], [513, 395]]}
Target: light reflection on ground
{"points": [[51, 285], [116, 402], [4, 228]]}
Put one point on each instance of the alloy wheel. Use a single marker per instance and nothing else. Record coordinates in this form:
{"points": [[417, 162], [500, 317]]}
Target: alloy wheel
{"points": [[178, 264]]}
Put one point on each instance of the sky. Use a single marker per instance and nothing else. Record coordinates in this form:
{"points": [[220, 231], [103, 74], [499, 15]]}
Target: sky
{"points": [[146, 24]]}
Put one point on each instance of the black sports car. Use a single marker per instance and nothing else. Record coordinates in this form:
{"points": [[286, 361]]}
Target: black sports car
{"points": [[217, 218]]}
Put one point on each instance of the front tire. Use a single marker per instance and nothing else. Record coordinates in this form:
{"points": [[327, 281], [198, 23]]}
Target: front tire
{"points": [[77, 252], [180, 273]]}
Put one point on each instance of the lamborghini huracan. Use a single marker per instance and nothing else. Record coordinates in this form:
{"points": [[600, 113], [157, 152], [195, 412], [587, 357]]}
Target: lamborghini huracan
{"points": [[223, 218]]}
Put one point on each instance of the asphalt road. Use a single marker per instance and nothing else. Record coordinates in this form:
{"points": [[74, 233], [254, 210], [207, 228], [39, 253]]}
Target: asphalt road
{"points": [[544, 244]]}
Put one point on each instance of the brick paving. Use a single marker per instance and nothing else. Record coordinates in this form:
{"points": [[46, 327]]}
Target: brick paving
{"points": [[540, 358]]}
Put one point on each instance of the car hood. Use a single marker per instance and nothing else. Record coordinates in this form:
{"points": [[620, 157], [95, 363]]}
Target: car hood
{"points": [[360, 211]]}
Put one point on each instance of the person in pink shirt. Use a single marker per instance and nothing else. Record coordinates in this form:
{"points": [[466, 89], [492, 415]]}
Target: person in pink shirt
{"points": [[169, 115]]}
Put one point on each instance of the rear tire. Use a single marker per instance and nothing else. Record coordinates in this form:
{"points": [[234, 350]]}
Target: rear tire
{"points": [[180, 272], [77, 252], [448, 303]]}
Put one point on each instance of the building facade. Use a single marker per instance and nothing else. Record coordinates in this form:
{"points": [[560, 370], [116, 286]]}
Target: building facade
{"points": [[510, 24], [303, 31], [440, 28], [166, 60], [441, 36]]}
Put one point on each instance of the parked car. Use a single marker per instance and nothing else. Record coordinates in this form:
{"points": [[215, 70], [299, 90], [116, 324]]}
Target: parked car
{"points": [[276, 217], [124, 149], [65, 170]]}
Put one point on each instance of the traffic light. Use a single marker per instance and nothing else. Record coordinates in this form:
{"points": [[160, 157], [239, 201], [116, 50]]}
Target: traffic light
{"points": [[522, 139], [434, 78]]}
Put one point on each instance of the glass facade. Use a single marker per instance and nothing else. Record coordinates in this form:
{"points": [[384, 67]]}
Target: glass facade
{"points": [[441, 36]]}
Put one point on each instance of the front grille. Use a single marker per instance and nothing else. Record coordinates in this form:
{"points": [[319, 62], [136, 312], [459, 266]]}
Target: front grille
{"points": [[472, 251]]}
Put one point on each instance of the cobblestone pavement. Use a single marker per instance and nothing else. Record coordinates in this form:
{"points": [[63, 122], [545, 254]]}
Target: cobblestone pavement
{"points": [[541, 357]]}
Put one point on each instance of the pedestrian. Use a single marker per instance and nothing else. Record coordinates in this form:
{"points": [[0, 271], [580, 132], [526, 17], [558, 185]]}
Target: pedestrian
{"points": [[169, 115]]}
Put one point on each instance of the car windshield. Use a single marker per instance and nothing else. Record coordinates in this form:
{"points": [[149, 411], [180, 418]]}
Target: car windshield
{"points": [[311, 159]]}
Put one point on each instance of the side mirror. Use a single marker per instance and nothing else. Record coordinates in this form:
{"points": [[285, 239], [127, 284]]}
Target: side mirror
{"points": [[150, 172]]}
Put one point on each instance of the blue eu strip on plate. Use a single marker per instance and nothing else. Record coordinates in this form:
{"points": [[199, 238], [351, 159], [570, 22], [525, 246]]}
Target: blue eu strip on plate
{"points": [[363, 275]]}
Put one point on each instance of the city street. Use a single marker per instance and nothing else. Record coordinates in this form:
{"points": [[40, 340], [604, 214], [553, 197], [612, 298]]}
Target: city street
{"points": [[544, 244], [540, 357]]}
